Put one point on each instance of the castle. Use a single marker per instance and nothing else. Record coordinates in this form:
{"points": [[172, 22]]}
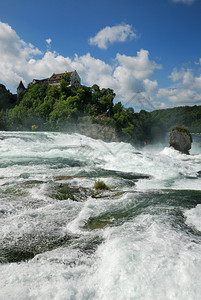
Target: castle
{"points": [[54, 80]]}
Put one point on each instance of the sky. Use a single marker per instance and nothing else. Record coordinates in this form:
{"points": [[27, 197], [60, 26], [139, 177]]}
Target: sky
{"points": [[147, 51]]}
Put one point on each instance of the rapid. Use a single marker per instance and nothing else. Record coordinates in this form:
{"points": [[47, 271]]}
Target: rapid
{"points": [[60, 239]]}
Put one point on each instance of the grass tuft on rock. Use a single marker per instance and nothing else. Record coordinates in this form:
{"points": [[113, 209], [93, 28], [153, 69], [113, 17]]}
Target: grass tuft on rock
{"points": [[100, 185]]}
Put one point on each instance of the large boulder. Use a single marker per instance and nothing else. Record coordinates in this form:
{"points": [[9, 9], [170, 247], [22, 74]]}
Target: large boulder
{"points": [[180, 139]]}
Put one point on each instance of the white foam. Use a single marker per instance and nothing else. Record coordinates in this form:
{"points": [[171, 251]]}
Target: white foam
{"points": [[145, 259], [193, 217], [142, 255], [47, 280]]}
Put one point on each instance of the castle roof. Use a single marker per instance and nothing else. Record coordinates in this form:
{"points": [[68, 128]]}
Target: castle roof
{"points": [[60, 75], [41, 81], [56, 78], [21, 85]]}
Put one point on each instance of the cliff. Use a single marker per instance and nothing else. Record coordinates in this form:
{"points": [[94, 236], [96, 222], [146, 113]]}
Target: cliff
{"points": [[96, 131]]}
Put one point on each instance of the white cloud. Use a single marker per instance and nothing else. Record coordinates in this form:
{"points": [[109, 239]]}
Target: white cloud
{"points": [[186, 89], [14, 53], [92, 70], [179, 97], [186, 79], [110, 35], [129, 76], [184, 1], [48, 41], [132, 77], [139, 66], [12, 46], [151, 86]]}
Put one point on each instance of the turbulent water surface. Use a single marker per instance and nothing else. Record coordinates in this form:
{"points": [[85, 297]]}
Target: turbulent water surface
{"points": [[61, 239]]}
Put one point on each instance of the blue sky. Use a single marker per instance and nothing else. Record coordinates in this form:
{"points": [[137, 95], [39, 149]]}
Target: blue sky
{"points": [[148, 51]]}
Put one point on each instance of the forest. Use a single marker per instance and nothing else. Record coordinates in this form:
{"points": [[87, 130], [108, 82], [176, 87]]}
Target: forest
{"points": [[41, 107]]}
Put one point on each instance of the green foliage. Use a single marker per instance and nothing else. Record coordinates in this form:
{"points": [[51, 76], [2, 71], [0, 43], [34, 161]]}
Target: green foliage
{"points": [[2, 120], [189, 116], [53, 108], [34, 127], [101, 100], [59, 115], [117, 108], [7, 100], [159, 123], [100, 185], [65, 81]]}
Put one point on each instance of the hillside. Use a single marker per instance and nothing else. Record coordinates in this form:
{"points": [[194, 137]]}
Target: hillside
{"points": [[50, 108], [43, 107], [160, 121]]}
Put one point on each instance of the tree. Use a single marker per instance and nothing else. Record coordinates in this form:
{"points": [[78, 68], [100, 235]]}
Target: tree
{"points": [[130, 110], [2, 120], [96, 94], [117, 108], [59, 115], [7, 100], [65, 81]]}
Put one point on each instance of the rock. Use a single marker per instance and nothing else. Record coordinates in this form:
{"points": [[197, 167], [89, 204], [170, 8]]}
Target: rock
{"points": [[68, 177], [180, 139], [96, 130], [199, 173], [64, 191]]}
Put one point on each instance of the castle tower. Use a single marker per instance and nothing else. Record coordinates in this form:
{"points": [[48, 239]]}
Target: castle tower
{"points": [[20, 87]]}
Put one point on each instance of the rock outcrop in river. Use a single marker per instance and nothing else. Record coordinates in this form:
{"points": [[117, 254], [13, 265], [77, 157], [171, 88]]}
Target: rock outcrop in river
{"points": [[180, 139]]}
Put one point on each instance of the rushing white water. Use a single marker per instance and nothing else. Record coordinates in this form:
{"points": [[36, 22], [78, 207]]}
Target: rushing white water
{"points": [[61, 240]]}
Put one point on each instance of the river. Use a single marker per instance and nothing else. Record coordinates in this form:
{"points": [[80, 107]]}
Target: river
{"points": [[61, 239]]}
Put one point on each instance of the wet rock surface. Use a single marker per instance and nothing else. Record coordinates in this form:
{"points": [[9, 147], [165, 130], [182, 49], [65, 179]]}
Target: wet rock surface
{"points": [[180, 139]]}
